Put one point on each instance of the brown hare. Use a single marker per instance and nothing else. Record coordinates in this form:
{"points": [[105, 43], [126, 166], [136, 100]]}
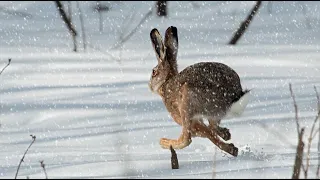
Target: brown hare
{"points": [[203, 91]]}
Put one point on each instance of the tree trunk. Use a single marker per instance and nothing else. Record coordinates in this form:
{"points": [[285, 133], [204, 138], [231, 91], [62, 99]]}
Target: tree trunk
{"points": [[67, 21], [161, 8], [245, 24]]}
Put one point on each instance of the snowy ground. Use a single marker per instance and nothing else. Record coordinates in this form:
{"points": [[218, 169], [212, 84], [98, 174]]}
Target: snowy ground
{"points": [[94, 117]]}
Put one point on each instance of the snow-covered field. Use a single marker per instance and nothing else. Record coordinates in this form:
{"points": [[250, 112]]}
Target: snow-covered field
{"points": [[95, 117]]}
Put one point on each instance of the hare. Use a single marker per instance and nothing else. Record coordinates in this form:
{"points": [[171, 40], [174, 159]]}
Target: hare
{"points": [[203, 91]]}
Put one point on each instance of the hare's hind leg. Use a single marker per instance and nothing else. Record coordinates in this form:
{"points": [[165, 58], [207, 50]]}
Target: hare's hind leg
{"points": [[213, 137], [224, 133]]}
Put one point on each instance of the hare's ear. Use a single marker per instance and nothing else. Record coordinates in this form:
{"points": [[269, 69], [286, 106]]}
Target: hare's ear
{"points": [[157, 44], [171, 43]]}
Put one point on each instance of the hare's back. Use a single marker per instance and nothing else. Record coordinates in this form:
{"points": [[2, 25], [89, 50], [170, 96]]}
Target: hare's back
{"points": [[213, 77]]}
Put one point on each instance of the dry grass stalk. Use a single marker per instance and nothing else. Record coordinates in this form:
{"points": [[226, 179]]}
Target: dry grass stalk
{"points": [[34, 139]]}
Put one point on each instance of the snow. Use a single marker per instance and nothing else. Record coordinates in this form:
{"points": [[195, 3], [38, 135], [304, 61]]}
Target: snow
{"points": [[95, 117]]}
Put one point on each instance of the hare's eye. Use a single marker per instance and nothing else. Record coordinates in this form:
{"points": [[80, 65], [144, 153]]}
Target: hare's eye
{"points": [[154, 72]]}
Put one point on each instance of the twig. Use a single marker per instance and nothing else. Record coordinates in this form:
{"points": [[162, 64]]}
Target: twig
{"points": [[174, 159], [9, 61], [127, 22], [309, 144], [299, 154], [124, 39], [34, 138], [44, 169], [67, 21], [65, 18], [103, 52], [295, 108], [314, 135], [318, 100]]}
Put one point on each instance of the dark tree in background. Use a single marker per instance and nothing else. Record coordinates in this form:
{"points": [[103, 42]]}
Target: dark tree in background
{"points": [[67, 21], [245, 24], [161, 8]]}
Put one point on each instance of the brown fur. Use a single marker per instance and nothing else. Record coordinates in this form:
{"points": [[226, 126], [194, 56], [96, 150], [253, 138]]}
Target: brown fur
{"points": [[205, 89]]}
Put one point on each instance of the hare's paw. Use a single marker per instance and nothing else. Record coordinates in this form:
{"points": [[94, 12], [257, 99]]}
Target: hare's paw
{"points": [[224, 133], [232, 150], [165, 143]]}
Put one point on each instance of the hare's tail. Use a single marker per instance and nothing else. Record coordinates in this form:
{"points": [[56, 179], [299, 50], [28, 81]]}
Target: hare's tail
{"points": [[240, 104]]}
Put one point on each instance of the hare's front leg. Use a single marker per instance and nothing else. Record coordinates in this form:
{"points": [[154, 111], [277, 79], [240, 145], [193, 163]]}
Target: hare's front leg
{"points": [[183, 141], [184, 117]]}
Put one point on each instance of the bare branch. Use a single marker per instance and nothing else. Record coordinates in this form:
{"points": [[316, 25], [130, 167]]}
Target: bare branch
{"points": [[84, 39], [34, 138], [318, 100], [67, 21], [103, 52], [174, 159], [127, 22], [299, 157], [65, 18], [312, 134], [44, 169], [9, 61], [100, 17], [126, 38], [245, 24], [299, 154], [295, 108]]}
